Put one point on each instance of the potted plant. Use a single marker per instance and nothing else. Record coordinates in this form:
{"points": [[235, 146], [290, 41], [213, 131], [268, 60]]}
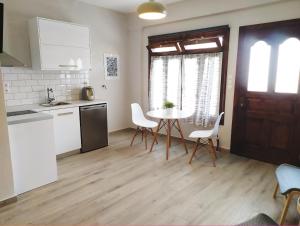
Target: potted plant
{"points": [[168, 105]]}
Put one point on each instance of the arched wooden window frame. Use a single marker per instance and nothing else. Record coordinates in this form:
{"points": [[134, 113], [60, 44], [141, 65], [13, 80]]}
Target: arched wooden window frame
{"points": [[180, 39]]}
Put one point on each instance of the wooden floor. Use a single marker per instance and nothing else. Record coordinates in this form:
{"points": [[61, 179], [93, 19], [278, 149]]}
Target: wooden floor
{"points": [[124, 185]]}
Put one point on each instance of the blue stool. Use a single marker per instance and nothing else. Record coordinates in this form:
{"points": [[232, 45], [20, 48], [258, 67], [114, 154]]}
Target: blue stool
{"points": [[288, 182]]}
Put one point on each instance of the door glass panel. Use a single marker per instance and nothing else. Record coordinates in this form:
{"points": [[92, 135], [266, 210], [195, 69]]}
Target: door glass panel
{"points": [[288, 66], [259, 67]]}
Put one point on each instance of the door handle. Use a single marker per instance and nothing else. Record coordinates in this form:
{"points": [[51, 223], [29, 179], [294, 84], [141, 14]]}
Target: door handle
{"points": [[66, 113], [66, 65], [93, 107], [242, 102]]}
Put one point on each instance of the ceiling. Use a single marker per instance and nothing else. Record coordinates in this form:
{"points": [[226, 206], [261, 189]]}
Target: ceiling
{"points": [[124, 6]]}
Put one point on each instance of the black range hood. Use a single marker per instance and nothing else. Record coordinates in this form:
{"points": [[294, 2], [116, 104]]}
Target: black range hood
{"points": [[6, 60]]}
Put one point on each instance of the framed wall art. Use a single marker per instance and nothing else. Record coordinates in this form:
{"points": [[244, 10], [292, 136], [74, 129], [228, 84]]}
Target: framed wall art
{"points": [[111, 66]]}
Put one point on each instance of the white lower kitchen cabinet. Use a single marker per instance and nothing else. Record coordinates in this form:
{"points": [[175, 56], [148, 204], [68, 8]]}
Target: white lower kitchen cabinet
{"points": [[66, 130], [32, 153]]}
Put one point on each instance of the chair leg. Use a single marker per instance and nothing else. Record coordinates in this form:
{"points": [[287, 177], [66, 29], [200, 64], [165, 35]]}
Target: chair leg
{"points": [[136, 133], [285, 208], [212, 152], [276, 190], [154, 136], [181, 136], [194, 152], [146, 133], [142, 134], [218, 143]]}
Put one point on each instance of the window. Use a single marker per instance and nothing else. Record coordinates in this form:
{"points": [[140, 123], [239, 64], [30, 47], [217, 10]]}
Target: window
{"points": [[201, 86], [189, 69], [165, 80], [201, 46]]}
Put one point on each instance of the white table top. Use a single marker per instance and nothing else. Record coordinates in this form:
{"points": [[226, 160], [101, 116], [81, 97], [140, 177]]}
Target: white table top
{"points": [[169, 114]]}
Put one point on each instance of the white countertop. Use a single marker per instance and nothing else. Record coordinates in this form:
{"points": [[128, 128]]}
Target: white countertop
{"points": [[39, 108], [19, 119], [43, 116]]}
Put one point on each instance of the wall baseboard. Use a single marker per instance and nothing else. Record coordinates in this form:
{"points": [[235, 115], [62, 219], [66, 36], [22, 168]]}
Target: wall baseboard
{"points": [[188, 141], [8, 201], [75, 152], [67, 154]]}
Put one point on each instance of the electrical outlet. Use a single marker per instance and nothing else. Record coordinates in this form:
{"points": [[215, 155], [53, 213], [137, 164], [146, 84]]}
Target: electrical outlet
{"points": [[6, 87]]}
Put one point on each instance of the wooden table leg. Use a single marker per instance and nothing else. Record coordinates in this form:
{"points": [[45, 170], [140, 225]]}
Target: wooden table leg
{"points": [[155, 134], [168, 139], [181, 135]]}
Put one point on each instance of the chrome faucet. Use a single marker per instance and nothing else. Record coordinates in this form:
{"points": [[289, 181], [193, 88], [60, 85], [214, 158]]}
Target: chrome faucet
{"points": [[49, 98]]}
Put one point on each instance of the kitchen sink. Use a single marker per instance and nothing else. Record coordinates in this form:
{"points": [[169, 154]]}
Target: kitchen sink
{"points": [[53, 104]]}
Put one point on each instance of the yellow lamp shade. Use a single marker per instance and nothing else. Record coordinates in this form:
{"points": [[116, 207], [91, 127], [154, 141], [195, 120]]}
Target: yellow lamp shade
{"points": [[152, 10]]}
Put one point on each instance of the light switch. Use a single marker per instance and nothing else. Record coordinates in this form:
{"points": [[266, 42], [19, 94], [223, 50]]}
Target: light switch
{"points": [[6, 87]]}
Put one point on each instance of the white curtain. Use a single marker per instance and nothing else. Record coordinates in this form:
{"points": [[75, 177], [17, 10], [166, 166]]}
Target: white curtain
{"points": [[165, 81], [201, 87], [191, 82]]}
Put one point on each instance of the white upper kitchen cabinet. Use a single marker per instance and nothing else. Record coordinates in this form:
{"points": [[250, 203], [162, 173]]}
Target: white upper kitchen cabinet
{"points": [[58, 45]]}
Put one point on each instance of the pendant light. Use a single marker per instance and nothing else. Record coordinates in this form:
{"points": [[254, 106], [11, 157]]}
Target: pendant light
{"points": [[152, 10]]}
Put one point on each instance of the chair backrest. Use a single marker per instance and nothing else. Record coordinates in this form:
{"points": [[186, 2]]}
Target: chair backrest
{"points": [[137, 113], [217, 125]]}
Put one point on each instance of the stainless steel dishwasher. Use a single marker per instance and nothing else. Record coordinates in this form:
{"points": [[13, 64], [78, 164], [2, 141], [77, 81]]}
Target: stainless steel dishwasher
{"points": [[93, 122]]}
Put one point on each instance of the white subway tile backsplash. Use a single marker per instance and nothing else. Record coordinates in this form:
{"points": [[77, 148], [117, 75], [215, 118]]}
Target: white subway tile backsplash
{"points": [[36, 76], [38, 88], [25, 89], [13, 102], [18, 83], [9, 96], [24, 77], [33, 95], [10, 77], [13, 89], [31, 83], [27, 101], [27, 86], [43, 82], [20, 96]]}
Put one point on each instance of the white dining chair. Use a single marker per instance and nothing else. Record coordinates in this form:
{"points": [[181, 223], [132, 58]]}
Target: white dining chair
{"points": [[205, 137], [144, 126]]}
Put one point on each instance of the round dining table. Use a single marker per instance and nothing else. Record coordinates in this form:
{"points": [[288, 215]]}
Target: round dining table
{"points": [[169, 119]]}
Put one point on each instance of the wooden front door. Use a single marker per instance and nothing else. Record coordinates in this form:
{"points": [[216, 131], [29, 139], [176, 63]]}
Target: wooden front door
{"points": [[266, 121]]}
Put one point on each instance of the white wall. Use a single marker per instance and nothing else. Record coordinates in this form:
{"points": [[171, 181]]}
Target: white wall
{"points": [[245, 13], [108, 35], [6, 178]]}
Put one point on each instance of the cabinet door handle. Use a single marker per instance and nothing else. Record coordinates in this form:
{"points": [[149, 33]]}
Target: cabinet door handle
{"points": [[67, 65], [66, 113]]}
